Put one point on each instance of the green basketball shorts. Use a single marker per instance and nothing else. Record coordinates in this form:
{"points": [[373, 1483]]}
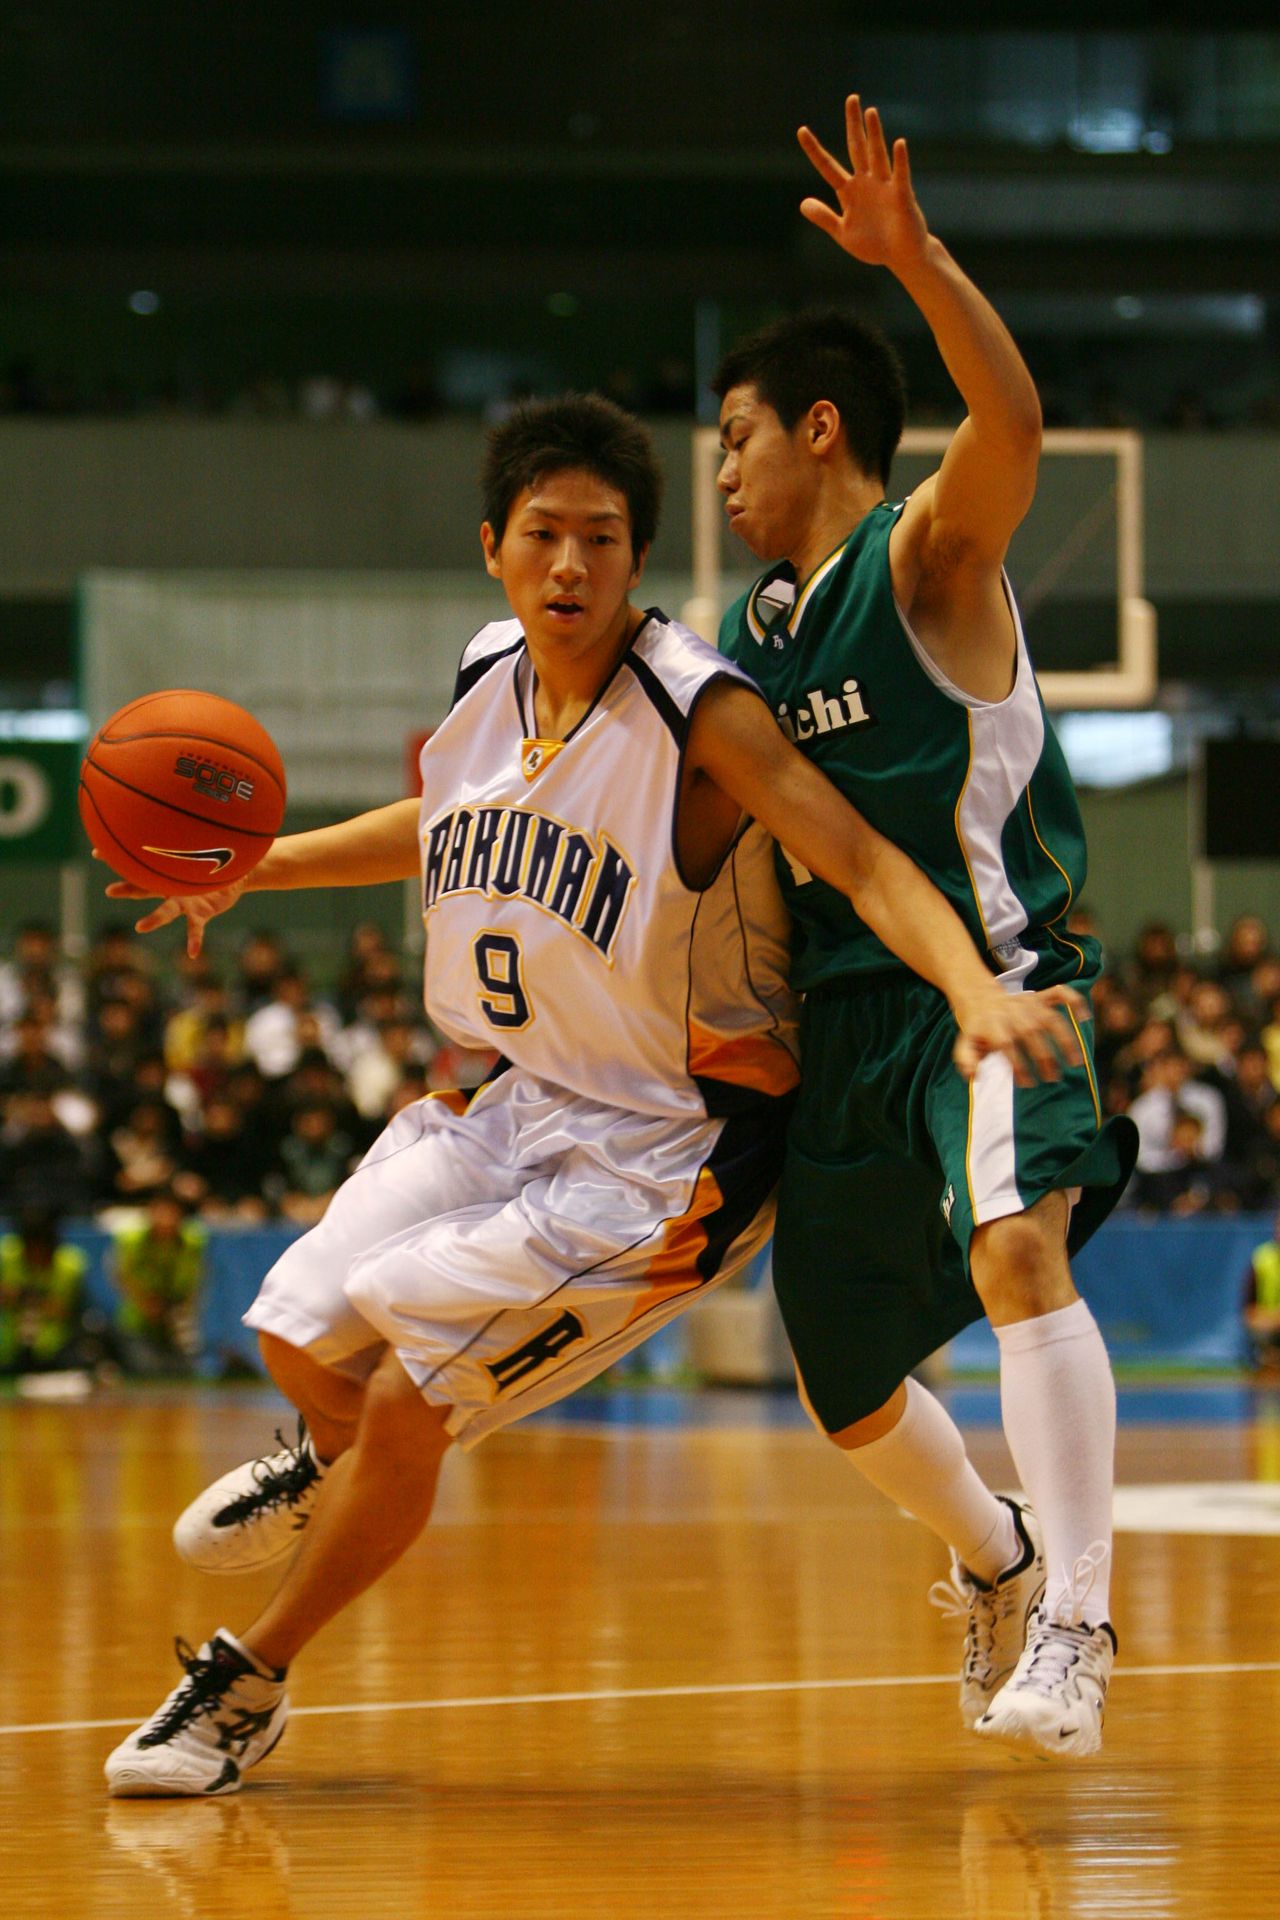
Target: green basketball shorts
{"points": [[892, 1161]]}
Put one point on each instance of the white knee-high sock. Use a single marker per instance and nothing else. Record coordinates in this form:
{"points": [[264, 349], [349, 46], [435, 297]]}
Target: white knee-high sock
{"points": [[1059, 1404], [921, 1465]]}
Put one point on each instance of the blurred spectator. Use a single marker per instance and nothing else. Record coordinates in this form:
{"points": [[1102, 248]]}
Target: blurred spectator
{"points": [[42, 1300], [116, 952], [1264, 989], [29, 1064], [1271, 1041], [285, 1024], [367, 940], [143, 1154], [158, 1269], [1262, 1303], [1201, 1023], [1155, 961], [36, 966], [1246, 1088], [223, 1167], [262, 1108], [138, 990], [315, 1158], [1186, 1181], [218, 1053], [42, 1163], [1116, 1025], [175, 1093], [115, 1050], [379, 1069], [1168, 1093], [1130, 1061], [259, 964], [207, 1001], [1246, 946], [316, 1078]]}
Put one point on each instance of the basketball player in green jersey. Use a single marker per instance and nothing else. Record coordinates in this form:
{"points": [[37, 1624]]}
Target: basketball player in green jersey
{"points": [[887, 642]]}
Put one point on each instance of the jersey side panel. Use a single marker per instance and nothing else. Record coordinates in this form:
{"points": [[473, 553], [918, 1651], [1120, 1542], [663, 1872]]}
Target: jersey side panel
{"points": [[952, 781]]}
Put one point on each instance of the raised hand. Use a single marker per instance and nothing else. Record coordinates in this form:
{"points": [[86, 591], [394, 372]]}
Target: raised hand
{"points": [[1037, 1032], [877, 218], [199, 908]]}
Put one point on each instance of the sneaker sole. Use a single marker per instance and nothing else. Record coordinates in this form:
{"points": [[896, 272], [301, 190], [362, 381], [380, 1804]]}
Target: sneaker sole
{"points": [[1022, 1741], [127, 1785]]}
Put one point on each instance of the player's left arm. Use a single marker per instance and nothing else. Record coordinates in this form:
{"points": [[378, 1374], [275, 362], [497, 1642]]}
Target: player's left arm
{"points": [[735, 742], [959, 523]]}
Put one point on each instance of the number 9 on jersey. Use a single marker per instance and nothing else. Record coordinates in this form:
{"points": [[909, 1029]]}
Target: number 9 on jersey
{"points": [[503, 999]]}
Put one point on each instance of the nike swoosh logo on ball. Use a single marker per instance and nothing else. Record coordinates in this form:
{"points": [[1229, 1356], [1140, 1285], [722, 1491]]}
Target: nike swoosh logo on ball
{"points": [[220, 856]]}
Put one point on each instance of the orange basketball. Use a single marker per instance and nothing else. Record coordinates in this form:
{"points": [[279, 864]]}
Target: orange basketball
{"points": [[182, 792]]}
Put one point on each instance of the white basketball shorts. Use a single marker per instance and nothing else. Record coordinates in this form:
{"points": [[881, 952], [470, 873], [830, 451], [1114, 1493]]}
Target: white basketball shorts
{"points": [[512, 1246]]}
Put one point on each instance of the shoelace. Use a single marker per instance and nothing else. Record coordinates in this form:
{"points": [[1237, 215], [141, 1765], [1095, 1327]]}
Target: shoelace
{"points": [[952, 1596], [208, 1679], [1060, 1640], [959, 1597], [274, 1485], [1079, 1585]]}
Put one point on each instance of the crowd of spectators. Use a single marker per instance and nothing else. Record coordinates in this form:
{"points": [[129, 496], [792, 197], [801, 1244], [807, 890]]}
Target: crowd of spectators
{"points": [[665, 387], [1191, 1050], [163, 1099], [159, 1099]]}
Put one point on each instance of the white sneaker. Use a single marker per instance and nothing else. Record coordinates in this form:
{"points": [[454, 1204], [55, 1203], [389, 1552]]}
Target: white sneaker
{"points": [[997, 1617], [253, 1515], [221, 1720], [1054, 1702]]}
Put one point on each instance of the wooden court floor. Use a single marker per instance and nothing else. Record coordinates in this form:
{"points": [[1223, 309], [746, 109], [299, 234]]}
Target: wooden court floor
{"points": [[631, 1673]]}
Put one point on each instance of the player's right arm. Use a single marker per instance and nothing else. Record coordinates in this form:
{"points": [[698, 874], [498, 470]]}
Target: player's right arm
{"points": [[735, 743], [365, 851]]}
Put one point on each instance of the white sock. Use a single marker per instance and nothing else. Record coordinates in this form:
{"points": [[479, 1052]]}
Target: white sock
{"points": [[1059, 1404], [921, 1465]]}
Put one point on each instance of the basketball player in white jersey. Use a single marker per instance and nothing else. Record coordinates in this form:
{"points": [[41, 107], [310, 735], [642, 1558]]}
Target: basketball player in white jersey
{"points": [[593, 842]]}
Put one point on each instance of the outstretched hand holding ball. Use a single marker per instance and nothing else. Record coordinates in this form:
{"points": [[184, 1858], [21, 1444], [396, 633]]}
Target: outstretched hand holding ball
{"points": [[182, 793]]}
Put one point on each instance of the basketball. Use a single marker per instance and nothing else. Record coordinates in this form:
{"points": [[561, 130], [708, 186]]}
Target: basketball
{"points": [[182, 792]]}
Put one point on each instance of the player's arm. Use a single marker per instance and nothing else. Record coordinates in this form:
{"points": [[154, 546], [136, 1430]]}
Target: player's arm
{"points": [[365, 851], [735, 742], [960, 522]]}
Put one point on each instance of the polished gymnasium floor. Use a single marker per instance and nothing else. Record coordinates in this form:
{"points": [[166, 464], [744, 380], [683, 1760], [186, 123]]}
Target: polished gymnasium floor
{"points": [[639, 1669]]}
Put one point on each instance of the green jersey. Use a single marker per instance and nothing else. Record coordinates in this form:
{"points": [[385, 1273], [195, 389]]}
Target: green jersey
{"points": [[976, 791]]}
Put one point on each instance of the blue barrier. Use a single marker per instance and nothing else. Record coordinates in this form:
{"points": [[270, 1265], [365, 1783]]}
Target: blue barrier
{"points": [[1163, 1291]]}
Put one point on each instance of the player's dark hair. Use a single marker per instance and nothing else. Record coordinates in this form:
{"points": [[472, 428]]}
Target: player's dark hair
{"points": [[542, 437], [826, 354]]}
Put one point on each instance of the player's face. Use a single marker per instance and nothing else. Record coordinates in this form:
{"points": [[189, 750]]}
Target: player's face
{"points": [[565, 560], [767, 476]]}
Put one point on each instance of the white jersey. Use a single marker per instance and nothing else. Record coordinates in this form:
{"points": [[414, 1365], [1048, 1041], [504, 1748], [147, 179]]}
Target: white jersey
{"points": [[559, 927]]}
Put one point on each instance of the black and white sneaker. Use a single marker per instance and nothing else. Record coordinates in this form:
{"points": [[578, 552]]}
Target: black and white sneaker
{"points": [[253, 1515], [221, 1720], [1055, 1700], [997, 1618]]}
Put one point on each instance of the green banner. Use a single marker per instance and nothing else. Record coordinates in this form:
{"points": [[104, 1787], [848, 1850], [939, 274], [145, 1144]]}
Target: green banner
{"points": [[38, 815]]}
